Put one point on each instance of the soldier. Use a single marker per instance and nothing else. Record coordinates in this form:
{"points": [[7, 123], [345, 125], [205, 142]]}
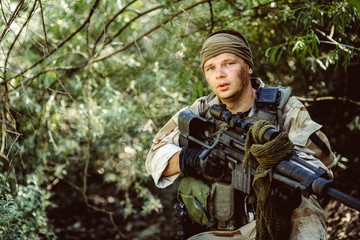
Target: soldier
{"points": [[227, 64]]}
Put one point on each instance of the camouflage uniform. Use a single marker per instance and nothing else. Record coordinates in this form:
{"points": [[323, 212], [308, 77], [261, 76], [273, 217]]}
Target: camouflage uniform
{"points": [[308, 220]]}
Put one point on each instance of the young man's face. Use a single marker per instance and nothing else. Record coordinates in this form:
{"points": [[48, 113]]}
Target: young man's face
{"points": [[228, 76]]}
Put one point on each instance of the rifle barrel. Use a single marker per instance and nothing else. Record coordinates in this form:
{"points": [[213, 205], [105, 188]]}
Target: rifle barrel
{"points": [[343, 198]]}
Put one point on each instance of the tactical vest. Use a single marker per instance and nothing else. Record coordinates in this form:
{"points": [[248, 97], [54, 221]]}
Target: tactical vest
{"points": [[217, 206]]}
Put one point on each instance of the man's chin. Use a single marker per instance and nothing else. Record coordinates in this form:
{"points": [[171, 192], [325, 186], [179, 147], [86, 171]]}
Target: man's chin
{"points": [[226, 97]]}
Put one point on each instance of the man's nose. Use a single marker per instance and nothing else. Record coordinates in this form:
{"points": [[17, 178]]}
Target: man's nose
{"points": [[220, 73]]}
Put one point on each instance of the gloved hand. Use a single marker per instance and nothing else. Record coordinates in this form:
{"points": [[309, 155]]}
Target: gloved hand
{"points": [[192, 165], [270, 153]]}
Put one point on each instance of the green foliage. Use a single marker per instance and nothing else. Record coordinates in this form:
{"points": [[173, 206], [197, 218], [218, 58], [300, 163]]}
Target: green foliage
{"points": [[78, 125], [314, 19], [23, 216], [355, 124]]}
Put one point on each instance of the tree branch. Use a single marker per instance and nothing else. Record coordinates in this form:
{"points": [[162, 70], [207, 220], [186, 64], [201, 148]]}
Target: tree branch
{"points": [[253, 8], [327, 98], [52, 62], [89, 140], [92, 10], [3, 126], [341, 46], [13, 43], [65, 68], [151, 30], [108, 24], [211, 17], [2, 10], [128, 23], [11, 20]]}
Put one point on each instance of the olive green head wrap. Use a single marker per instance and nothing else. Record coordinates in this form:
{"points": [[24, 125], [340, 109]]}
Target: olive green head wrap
{"points": [[226, 41]]}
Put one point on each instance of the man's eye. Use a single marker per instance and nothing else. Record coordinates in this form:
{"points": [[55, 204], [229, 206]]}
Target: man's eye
{"points": [[210, 68], [229, 63]]}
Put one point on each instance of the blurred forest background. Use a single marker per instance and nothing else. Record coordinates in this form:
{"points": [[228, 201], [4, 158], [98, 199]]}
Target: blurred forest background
{"points": [[85, 86]]}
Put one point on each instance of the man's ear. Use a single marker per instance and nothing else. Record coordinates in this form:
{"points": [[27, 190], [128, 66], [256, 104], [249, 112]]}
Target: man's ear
{"points": [[250, 71]]}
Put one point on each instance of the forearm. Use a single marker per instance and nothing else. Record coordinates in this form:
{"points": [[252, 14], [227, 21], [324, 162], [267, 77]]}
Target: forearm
{"points": [[173, 166], [158, 160]]}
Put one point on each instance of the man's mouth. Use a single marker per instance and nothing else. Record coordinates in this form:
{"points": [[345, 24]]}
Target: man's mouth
{"points": [[223, 86]]}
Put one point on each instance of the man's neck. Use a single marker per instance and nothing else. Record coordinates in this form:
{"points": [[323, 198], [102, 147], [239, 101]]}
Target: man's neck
{"points": [[243, 104]]}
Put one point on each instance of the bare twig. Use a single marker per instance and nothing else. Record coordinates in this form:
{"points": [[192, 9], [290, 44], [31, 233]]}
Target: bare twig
{"points": [[2, 10], [52, 62], [89, 140], [65, 68], [48, 107], [110, 213], [110, 40], [116, 226], [327, 98], [92, 10], [13, 141], [82, 191], [151, 30], [11, 20], [108, 24], [13, 43], [212, 25], [87, 38], [73, 185], [7, 172], [329, 37], [231, 3], [3, 125]]}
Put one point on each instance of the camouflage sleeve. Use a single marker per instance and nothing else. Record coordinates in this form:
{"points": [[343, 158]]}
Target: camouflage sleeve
{"points": [[299, 125], [308, 220], [165, 145]]}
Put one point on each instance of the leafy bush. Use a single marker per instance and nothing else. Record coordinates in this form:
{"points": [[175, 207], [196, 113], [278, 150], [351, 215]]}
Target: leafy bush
{"points": [[85, 86], [23, 213]]}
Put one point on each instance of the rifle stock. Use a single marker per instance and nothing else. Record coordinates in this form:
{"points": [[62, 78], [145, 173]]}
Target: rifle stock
{"points": [[228, 145]]}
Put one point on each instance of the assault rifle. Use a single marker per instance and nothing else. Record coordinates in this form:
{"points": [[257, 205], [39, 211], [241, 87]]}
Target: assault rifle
{"points": [[229, 146]]}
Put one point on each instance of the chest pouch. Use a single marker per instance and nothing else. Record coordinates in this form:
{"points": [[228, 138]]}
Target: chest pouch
{"points": [[268, 98], [269, 102]]}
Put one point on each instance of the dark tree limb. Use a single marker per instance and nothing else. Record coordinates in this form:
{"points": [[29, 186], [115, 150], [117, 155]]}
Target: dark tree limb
{"points": [[13, 43], [52, 62], [11, 20], [151, 30], [212, 25], [92, 10], [2, 10], [328, 98], [108, 24], [110, 40]]}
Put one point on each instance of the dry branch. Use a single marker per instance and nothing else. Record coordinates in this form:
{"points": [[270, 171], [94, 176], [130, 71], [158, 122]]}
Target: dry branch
{"points": [[13, 43], [128, 23], [327, 98], [108, 24], [50, 52], [151, 30], [52, 62], [65, 68], [343, 47], [211, 17], [11, 20], [92, 10]]}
